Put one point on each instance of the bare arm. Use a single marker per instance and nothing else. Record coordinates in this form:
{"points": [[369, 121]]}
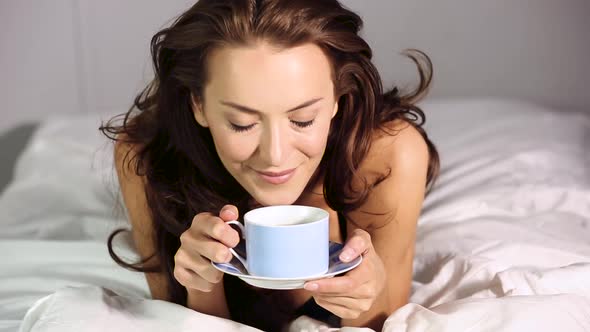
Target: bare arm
{"points": [[133, 190], [393, 234], [383, 231]]}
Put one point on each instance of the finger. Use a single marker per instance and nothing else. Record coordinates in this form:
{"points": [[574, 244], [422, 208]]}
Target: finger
{"points": [[229, 213], [332, 286], [358, 244], [198, 264], [215, 228], [361, 305], [338, 310], [212, 250], [198, 242], [363, 291], [210, 274], [190, 279]]}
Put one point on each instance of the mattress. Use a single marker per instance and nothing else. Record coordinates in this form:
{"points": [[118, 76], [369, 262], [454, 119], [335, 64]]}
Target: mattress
{"points": [[503, 241]]}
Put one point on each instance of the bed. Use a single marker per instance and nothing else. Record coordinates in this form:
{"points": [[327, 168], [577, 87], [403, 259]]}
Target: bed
{"points": [[503, 241]]}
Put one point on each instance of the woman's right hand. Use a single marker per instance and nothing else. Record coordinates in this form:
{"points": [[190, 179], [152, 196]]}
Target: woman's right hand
{"points": [[207, 240]]}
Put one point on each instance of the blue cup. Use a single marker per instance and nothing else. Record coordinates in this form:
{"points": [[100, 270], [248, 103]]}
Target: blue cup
{"points": [[285, 241]]}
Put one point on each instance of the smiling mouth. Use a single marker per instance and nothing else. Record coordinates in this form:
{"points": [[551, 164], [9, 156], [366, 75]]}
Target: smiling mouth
{"points": [[277, 177], [277, 173]]}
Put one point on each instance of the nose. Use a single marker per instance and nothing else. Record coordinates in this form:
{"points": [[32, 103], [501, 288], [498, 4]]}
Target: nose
{"points": [[273, 146]]}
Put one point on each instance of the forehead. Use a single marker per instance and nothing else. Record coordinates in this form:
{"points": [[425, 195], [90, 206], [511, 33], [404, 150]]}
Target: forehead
{"points": [[264, 74]]}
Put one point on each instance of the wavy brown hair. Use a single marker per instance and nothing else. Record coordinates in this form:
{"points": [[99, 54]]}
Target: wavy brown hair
{"points": [[184, 175]]}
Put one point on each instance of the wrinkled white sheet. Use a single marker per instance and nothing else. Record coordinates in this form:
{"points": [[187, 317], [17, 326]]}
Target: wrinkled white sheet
{"points": [[503, 242]]}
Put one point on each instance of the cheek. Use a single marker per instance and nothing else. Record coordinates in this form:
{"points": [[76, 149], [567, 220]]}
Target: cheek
{"points": [[233, 149], [314, 143]]}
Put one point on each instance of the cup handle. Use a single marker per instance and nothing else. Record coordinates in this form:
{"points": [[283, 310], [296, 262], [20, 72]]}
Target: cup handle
{"points": [[243, 231]]}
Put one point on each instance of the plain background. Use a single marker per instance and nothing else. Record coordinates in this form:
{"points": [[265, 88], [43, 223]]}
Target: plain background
{"points": [[87, 56]]}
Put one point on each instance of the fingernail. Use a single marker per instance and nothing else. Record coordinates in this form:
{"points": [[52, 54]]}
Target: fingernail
{"points": [[346, 255], [310, 287], [229, 257], [228, 210]]}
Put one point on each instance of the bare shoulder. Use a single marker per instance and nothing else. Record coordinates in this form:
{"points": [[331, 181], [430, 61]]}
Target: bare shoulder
{"points": [[397, 165], [133, 191], [125, 153], [399, 149], [132, 185], [392, 208]]}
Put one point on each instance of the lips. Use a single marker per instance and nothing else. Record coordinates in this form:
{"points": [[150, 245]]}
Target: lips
{"points": [[276, 177], [277, 173]]}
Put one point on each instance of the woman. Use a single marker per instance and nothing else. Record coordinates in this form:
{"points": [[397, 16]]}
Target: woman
{"points": [[263, 103]]}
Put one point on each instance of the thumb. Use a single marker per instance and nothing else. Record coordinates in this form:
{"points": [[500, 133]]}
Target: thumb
{"points": [[229, 213], [358, 244]]}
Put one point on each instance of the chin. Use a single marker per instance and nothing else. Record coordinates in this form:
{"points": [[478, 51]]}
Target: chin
{"points": [[269, 199]]}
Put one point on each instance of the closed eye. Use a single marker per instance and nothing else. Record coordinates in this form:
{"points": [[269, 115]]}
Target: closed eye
{"points": [[241, 129], [304, 124]]}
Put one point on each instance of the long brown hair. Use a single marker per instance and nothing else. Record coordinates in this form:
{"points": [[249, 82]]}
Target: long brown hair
{"points": [[184, 175]]}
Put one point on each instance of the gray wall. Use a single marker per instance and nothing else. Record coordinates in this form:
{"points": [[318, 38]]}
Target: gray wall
{"points": [[534, 49], [73, 56]]}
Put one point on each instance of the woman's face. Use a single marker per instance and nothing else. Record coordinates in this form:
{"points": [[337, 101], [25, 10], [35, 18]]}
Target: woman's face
{"points": [[269, 112]]}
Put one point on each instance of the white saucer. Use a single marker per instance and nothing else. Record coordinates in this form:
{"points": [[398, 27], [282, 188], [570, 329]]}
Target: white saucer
{"points": [[235, 268]]}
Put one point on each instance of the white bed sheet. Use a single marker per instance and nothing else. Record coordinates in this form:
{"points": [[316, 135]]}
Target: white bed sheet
{"points": [[503, 242]]}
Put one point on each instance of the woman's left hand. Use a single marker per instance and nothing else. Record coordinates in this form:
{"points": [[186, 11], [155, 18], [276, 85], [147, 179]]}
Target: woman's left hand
{"points": [[355, 292]]}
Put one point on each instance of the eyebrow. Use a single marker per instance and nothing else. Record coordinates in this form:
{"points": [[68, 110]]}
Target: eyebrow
{"points": [[249, 110]]}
